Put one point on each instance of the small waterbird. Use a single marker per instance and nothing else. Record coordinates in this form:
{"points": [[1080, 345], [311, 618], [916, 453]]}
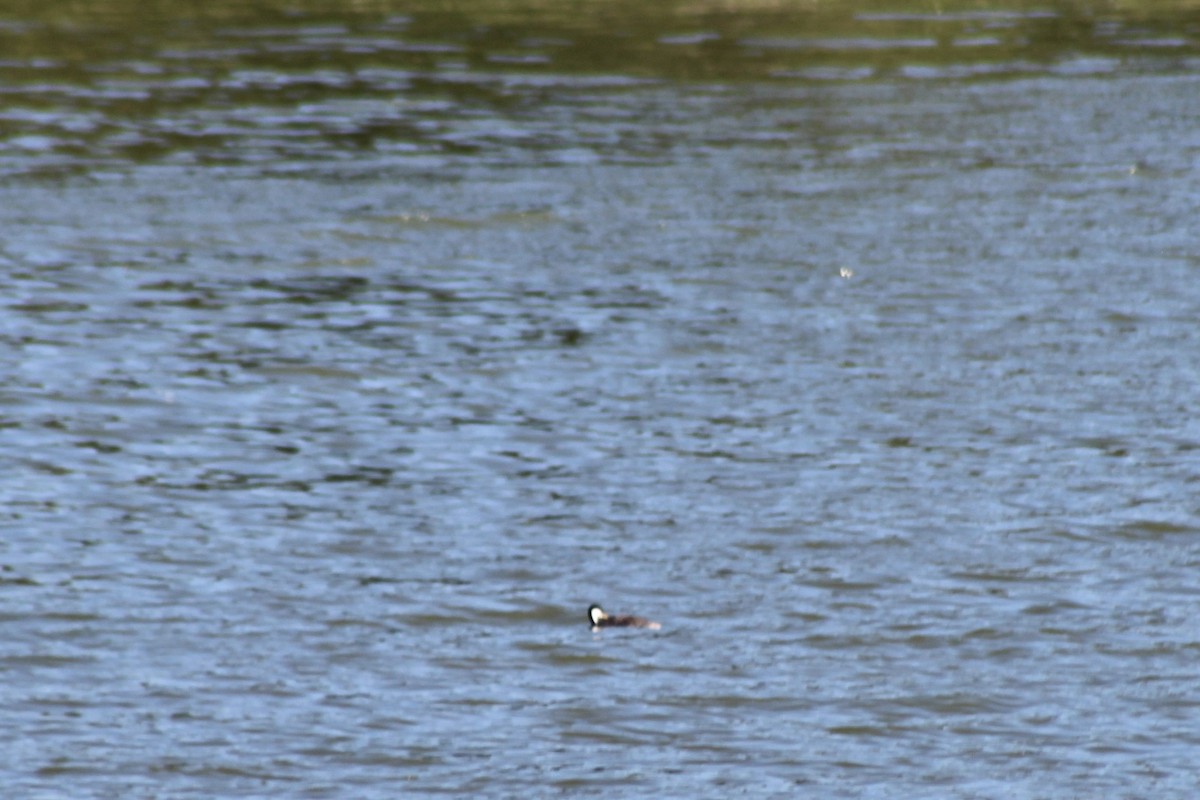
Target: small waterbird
{"points": [[598, 618]]}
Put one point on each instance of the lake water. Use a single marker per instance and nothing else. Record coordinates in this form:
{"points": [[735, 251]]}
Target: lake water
{"points": [[349, 351]]}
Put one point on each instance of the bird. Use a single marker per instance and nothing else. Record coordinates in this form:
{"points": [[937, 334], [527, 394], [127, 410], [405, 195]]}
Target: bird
{"points": [[598, 618]]}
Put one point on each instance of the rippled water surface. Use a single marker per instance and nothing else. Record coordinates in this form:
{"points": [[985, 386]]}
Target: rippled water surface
{"points": [[349, 351]]}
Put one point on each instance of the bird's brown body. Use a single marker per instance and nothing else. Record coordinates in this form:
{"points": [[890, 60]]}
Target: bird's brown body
{"points": [[598, 618]]}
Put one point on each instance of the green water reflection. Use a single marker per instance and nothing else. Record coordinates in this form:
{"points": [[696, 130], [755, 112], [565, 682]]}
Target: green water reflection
{"points": [[90, 83], [683, 39]]}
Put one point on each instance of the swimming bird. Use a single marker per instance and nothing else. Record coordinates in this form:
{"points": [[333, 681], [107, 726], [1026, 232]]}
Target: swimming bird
{"points": [[599, 619]]}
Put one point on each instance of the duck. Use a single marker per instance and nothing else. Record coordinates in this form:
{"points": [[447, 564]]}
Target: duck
{"points": [[599, 618]]}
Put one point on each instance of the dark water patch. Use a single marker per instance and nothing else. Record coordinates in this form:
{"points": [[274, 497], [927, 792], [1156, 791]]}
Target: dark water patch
{"points": [[16, 580], [867, 731], [48, 660], [1019, 575], [64, 767], [1153, 530], [952, 704], [1056, 607], [49, 307], [556, 654], [428, 620]]}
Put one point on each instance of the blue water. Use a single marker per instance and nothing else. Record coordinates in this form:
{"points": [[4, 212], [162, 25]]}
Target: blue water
{"points": [[873, 379]]}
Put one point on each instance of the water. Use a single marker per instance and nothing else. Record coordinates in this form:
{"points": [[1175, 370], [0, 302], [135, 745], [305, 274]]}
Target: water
{"points": [[351, 351]]}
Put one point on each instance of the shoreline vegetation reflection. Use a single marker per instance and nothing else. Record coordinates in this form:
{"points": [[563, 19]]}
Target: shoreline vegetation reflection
{"points": [[104, 83]]}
